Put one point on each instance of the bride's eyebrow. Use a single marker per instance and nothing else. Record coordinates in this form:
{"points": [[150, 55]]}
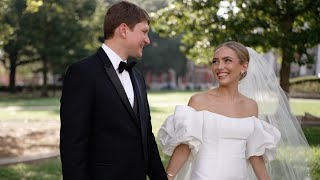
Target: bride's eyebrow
{"points": [[223, 58], [227, 57]]}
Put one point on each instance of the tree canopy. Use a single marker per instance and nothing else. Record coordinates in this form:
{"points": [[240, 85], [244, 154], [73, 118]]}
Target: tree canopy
{"points": [[289, 26], [52, 32], [161, 54], [55, 33]]}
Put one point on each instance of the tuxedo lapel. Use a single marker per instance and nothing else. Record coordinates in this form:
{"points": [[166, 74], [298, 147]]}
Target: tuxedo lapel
{"points": [[141, 106], [116, 82], [139, 97]]}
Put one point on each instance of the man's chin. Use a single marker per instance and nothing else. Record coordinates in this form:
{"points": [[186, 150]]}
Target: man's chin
{"points": [[137, 56]]}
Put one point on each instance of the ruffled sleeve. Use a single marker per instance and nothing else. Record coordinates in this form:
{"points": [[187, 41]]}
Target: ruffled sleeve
{"points": [[182, 127], [263, 141]]}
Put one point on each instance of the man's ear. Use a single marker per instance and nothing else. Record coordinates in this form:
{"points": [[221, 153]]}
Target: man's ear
{"points": [[122, 29]]}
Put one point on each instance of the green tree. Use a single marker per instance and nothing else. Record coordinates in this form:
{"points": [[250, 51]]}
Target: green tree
{"points": [[55, 33], [162, 54], [289, 26], [17, 50], [4, 27], [149, 5], [60, 34]]}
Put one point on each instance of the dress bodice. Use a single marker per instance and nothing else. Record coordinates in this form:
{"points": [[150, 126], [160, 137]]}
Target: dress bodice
{"points": [[224, 135], [220, 145]]}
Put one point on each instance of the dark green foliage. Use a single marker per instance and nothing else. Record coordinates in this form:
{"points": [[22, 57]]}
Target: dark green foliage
{"points": [[315, 163], [161, 54], [290, 26], [54, 33]]}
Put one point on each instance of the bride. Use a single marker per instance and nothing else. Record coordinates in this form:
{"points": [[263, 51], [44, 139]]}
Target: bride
{"points": [[233, 131]]}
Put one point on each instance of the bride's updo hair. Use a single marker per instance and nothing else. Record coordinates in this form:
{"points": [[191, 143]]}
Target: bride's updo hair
{"points": [[240, 50]]}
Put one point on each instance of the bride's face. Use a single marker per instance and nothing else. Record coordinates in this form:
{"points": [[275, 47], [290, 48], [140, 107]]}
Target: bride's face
{"points": [[226, 66]]}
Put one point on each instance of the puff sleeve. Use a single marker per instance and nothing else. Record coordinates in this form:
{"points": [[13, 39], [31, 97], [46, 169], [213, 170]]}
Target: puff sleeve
{"points": [[182, 127], [263, 141]]}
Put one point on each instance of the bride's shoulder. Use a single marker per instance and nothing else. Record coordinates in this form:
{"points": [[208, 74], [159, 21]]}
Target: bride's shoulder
{"points": [[197, 100], [250, 106]]}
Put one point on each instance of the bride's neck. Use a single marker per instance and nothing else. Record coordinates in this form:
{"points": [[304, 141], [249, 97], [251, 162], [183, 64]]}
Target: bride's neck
{"points": [[229, 94]]}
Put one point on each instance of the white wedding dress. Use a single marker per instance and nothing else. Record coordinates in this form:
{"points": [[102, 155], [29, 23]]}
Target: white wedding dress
{"points": [[220, 145]]}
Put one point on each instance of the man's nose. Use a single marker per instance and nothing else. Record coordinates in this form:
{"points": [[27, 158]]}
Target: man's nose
{"points": [[147, 40]]}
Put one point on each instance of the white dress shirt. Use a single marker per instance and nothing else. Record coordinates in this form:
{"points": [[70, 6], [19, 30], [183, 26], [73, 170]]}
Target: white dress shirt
{"points": [[124, 76]]}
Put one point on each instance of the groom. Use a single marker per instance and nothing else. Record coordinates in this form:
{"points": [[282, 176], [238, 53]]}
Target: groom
{"points": [[106, 128]]}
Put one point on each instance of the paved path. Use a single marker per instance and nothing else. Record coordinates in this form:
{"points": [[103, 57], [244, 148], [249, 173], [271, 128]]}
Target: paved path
{"points": [[25, 141], [35, 108]]}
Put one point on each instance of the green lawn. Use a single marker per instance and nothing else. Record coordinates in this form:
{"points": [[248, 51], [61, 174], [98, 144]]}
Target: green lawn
{"points": [[162, 104], [301, 106], [45, 170], [27, 100]]}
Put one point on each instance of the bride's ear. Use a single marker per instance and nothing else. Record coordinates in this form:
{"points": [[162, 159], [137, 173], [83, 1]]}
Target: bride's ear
{"points": [[244, 67], [243, 71]]}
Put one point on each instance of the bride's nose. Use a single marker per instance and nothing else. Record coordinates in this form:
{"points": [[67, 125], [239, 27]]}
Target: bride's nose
{"points": [[220, 65]]}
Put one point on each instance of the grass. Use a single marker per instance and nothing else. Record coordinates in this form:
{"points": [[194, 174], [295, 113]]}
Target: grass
{"points": [[301, 106], [45, 170], [27, 100], [162, 104], [33, 115]]}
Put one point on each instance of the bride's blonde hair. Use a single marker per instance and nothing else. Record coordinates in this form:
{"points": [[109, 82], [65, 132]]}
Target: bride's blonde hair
{"points": [[240, 50]]}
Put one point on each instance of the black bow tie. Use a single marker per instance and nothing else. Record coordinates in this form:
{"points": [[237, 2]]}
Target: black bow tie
{"points": [[126, 66]]}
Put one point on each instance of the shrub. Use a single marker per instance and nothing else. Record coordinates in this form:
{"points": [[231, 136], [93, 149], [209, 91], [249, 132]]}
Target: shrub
{"points": [[315, 163], [305, 84]]}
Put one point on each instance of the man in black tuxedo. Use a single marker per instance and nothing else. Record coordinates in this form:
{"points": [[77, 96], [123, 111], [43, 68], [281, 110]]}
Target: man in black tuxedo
{"points": [[106, 128]]}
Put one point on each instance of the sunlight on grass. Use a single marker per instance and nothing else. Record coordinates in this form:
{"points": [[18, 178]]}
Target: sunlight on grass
{"points": [[28, 101], [300, 106], [30, 115], [162, 104]]}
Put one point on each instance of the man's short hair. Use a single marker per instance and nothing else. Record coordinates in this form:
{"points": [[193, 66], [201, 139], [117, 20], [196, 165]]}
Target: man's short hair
{"points": [[123, 12]]}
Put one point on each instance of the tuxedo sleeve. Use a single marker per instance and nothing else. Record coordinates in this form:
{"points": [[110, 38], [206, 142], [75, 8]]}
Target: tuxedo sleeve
{"points": [[155, 167], [75, 114]]}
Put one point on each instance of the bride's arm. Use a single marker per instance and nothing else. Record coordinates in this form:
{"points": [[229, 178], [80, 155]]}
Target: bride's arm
{"points": [[257, 162], [259, 167], [178, 158], [182, 151]]}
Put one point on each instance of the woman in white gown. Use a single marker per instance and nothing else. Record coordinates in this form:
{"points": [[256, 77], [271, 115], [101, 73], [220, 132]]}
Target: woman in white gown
{"points": [[219, 135]]}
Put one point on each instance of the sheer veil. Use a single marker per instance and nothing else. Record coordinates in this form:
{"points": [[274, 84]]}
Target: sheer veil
{"points": [[261, 84]]}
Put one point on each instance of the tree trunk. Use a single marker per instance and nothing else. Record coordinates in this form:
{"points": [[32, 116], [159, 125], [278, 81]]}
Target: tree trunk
{"points": [[285, 70], [12, 77], [287, 52], [44, 89]]}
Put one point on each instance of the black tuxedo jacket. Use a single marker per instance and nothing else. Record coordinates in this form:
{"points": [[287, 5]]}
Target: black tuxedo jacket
{"points": [[101, 137]]}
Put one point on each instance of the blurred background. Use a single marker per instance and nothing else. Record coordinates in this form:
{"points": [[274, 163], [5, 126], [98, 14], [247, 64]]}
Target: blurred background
{"points": [[40, 39]]}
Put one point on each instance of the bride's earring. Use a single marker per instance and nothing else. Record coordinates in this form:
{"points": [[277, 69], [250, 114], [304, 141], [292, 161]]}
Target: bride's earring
{"points": [[242, 74]]}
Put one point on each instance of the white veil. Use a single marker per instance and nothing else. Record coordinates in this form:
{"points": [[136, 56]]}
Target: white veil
{"points": [[261, 84]]}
